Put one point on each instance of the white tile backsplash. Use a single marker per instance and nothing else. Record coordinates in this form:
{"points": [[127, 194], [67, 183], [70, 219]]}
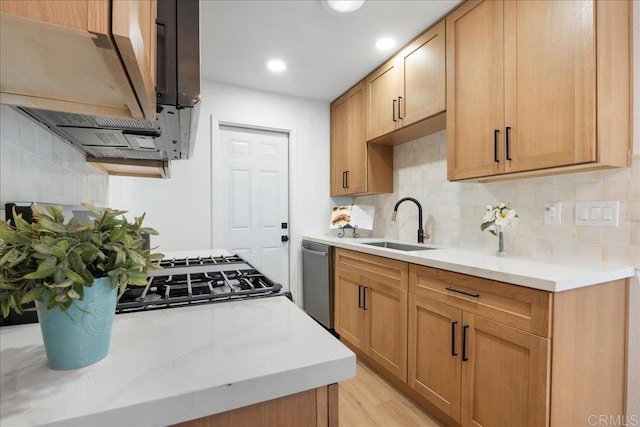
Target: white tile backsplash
{"points": [[453, 211], [36, 165]]}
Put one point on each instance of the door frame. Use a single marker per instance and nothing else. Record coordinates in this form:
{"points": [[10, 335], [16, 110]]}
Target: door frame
{"points": [[295, 238]]}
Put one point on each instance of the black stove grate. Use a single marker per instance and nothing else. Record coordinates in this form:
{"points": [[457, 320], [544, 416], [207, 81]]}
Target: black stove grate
{"points": [[197, 261], [187, 281]]}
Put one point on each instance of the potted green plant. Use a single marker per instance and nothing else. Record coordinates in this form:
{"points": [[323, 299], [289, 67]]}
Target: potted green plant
{"points": [[72, 271]]}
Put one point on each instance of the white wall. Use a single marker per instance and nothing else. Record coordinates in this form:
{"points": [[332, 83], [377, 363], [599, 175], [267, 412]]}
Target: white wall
{"points": [[184, 208], [38, 166]]}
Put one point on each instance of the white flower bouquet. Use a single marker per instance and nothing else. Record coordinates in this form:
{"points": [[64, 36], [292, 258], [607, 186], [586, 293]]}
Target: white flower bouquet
{"points": [[498, 218]]}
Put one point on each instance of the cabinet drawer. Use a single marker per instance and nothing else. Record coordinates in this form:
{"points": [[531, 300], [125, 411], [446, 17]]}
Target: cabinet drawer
{"points": [[383, 270], [518, 306]]}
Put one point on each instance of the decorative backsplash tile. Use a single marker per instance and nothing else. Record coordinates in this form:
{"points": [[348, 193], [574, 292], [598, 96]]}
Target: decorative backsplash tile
{"points": [[454, 211], [36, 165]]}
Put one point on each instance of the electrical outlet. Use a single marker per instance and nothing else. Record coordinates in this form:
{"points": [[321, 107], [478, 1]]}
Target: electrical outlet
{"points": [[552, 213]]}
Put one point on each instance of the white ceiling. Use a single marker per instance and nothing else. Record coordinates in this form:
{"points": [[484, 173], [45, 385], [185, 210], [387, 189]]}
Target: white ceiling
{"points": [[325, 53]]}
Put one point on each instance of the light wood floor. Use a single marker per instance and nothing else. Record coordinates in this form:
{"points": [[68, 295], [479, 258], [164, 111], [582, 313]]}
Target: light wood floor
{"points": [[368, 400]]}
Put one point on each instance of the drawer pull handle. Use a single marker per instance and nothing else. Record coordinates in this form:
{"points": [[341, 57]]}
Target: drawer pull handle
{"points": [[453, 338], [364, 302], [496, 132], [359, 296], [508, 140], [464, 343], [463, 292], [393, 112]]}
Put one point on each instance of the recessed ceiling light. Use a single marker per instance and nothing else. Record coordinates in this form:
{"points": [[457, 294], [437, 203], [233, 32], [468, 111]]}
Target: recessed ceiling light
{"points": [[276, 65], [385, 43], [345, 6]]}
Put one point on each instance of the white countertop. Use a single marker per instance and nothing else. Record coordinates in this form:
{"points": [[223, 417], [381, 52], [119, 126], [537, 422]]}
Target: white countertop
{"points": [[547, 274], [167, 366]]}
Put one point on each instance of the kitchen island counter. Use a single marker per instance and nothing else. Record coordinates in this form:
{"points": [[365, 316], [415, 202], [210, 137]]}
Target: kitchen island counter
{"points": [[173, 365], [544, 273]]}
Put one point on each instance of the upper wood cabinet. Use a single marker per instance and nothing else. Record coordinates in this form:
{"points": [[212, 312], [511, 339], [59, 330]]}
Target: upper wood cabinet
{"points": [[410, 87], [86, 56], [371, 307], [534, 85], [356, 168]]}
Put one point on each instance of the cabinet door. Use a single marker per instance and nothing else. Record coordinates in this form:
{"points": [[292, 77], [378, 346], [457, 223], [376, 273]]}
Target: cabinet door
{"points": [[134, 31], [550, 83], [435, 353], [339, 146], [386, 326], [505, 379], [383, 90], [424, 77], [475, 90], [356, 178], [349, 317]]}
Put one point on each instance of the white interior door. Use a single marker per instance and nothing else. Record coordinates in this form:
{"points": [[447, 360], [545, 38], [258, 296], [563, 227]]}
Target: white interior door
{"points": [[255, 190]]}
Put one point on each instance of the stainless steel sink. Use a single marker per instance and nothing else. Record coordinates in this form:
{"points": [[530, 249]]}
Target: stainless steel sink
{"points": [[399, 246]]}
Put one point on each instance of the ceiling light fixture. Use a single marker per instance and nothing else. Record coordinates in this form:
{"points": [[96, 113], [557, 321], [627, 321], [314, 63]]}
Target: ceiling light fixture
{"points": [[276, 65], [345, 6], [385, 43]]}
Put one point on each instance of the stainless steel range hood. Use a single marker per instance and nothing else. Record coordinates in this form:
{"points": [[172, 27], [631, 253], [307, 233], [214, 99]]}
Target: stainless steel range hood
{"points": [[170, 137]]}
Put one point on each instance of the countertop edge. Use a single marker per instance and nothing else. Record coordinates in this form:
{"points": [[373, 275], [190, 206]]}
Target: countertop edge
{"points": [[559, 284], [179, 403], [215, 400]]}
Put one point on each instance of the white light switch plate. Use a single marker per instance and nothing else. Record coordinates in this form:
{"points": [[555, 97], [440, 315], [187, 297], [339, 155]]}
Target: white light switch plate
{"points": [[599, 214]]}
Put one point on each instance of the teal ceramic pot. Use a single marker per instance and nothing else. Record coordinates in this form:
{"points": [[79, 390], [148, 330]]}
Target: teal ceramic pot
{"points": [[79, 338]]}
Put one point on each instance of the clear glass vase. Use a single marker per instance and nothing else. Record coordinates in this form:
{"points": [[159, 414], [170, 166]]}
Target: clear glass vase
{"points": [[500, 233]]}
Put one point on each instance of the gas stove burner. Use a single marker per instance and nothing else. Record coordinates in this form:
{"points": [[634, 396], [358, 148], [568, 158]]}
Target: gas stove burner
{"points": [[198, 280]]}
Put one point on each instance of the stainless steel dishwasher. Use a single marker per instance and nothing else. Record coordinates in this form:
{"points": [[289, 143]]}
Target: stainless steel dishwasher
{"points": [[317, 281]]}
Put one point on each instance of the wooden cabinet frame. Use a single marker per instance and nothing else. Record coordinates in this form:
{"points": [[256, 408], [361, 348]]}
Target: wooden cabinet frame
{"points": [[533, 358], [558, 359], [357, 168], [86, 57], [529, 96], [316, 407], [371, 307], [406, 95]]}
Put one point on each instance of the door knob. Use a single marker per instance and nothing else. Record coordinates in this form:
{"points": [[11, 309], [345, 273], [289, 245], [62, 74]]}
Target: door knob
{"points": [[284, 238]]}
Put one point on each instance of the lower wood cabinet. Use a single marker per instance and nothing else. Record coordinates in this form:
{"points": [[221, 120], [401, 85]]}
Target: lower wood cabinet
{"points": [[505, 375], [371, 307], [315, 407], [476, 370], [477, 352], [435, 366], [488, 353]]}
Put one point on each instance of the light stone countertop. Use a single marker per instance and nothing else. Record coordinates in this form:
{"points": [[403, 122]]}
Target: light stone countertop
{"points": [[173, 365], [549, 274]]}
